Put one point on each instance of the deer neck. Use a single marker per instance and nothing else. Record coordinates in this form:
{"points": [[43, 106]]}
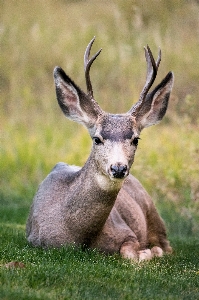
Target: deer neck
{"points": [[91, 202]]}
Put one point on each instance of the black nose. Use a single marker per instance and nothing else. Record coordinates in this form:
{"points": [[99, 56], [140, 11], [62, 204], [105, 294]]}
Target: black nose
{"points": [[118, 171]]}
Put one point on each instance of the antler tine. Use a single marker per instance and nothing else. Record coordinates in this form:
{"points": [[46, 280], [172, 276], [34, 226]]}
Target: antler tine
{"points": [[152, 68], [158, 59], [87, 64], [151, 71]]}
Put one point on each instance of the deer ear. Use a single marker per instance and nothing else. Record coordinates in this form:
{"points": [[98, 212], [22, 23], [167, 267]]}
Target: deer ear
{"points": [[155, 105], [75, 104]]}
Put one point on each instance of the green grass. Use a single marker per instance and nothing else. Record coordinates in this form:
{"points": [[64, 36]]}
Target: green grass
{"points": [[70, 273], [35, 36]]}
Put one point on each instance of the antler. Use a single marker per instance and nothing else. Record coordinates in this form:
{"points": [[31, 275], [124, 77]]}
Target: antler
{"points": [[152, 68], [87, 64]]}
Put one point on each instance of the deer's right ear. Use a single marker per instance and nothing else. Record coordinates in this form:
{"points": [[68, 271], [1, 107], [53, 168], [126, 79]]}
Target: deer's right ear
{"points": [[74, 103]]}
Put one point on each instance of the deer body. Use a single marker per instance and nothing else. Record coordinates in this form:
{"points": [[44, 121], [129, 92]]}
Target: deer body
{"points": [[100, 205]]}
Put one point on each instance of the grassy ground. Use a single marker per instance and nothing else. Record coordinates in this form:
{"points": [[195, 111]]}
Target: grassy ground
{"points": [[71, 273], [35, 36]]}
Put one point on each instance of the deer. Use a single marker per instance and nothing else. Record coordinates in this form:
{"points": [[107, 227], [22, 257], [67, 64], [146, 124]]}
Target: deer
{"points": [[101, 205]]}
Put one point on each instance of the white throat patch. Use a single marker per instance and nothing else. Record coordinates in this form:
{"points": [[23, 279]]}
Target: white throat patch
{"points": [[107, 183]]}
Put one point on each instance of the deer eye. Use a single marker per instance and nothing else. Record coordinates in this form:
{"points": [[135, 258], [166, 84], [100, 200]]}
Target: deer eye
{"points": [[135, 141], [97, 141]]}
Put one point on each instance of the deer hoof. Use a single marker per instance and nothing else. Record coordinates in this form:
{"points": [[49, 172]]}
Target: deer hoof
{"points": [[156, 251], [144, 255], [127, 251]]}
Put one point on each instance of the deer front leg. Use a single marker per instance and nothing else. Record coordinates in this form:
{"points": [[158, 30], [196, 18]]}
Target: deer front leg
{"points": [[148, 254], [129, 250]]}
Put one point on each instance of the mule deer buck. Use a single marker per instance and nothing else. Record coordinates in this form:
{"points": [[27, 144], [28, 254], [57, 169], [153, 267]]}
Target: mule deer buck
{"points": [[101, 205]]}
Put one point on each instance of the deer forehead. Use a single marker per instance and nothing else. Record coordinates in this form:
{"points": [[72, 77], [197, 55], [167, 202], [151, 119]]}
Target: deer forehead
{"points": [[117, 127]]}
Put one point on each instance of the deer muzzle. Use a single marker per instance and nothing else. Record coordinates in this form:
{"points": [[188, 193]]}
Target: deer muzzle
{"points": [[119, 171]]}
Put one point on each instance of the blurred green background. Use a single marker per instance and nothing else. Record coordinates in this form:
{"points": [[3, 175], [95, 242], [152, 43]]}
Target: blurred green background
{"points": [[35, 36]]}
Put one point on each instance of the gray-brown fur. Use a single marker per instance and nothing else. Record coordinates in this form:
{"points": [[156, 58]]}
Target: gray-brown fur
{"points": [[101, 205]]}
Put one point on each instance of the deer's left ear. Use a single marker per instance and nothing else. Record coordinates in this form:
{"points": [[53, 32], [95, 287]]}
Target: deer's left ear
{"points": [[155, 104]]}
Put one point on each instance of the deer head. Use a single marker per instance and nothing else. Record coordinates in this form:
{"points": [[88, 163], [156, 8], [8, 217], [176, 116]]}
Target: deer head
{"points": [[115, 136]]}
